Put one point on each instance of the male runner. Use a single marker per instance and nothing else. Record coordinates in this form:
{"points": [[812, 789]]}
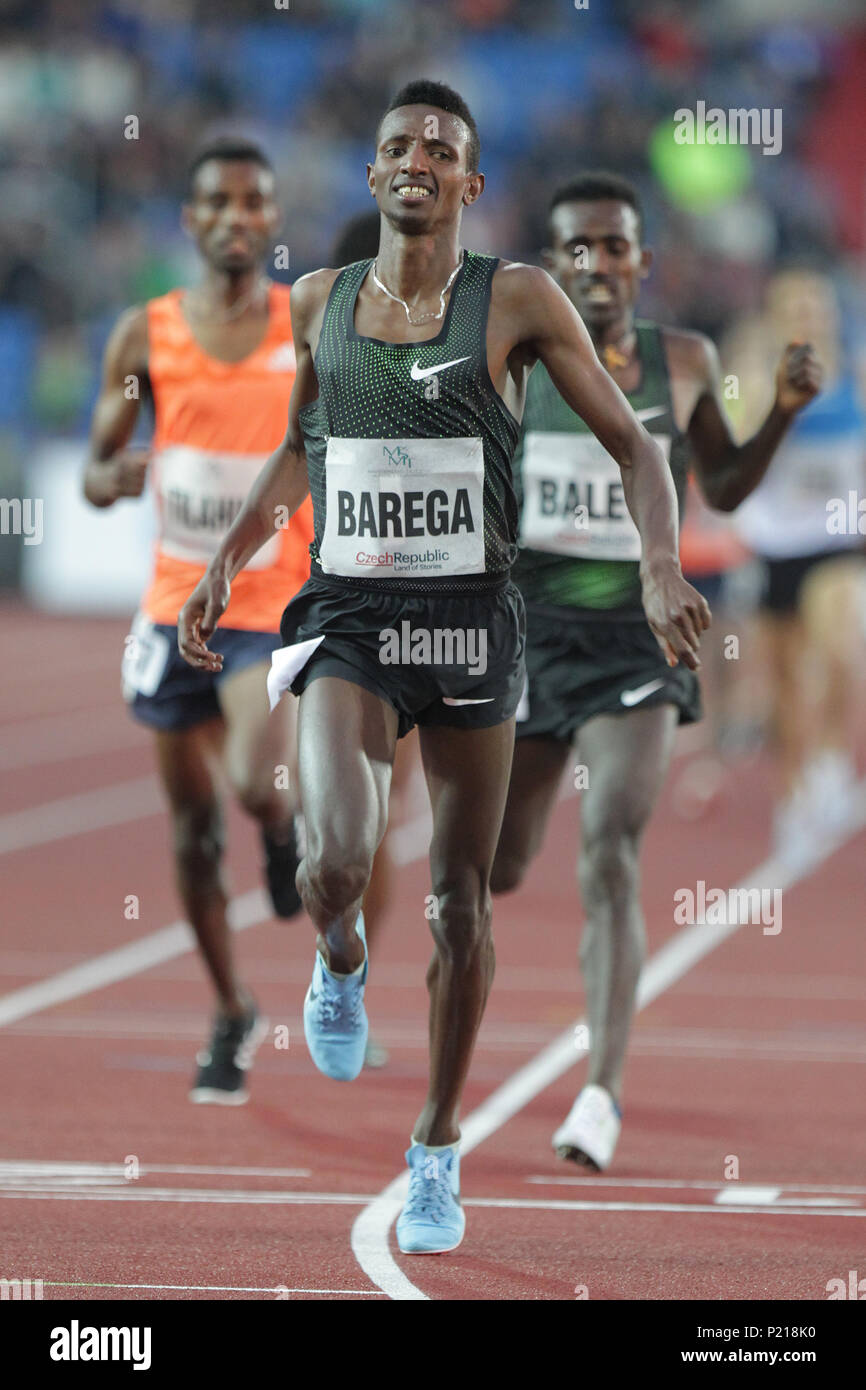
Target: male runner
{"points": [[218, 362], [403, 424], [593, 664], [358, 240]]}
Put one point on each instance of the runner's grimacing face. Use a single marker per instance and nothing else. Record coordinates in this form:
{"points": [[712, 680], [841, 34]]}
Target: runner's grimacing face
{"points": [[606, 287], [420, 178], [232, 215]]}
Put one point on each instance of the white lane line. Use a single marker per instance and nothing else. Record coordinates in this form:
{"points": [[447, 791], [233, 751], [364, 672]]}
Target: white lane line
{"points": [[749, 1196], [208, 1288], [80, 734], [248, 910], [673, 960], [234, 1197], [812, 1202], [494, 1038], [36, 1168], [280, 970], [120, 804], [80, 814], [509, 978], [772, 1209], [137, 798], [177, 939], [131, 1192], [684, 1184], [726, 1048], [245, 911]]}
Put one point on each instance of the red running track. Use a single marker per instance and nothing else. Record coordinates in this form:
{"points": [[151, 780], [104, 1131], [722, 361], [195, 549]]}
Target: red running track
{"points": [[753, 1055]]}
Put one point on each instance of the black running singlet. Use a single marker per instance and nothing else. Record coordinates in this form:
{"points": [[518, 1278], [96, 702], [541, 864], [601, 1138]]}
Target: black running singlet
{"points": [[409, 449]]}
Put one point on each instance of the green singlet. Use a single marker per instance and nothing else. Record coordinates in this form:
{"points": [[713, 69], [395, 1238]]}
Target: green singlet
{"points": [[579, 547]]}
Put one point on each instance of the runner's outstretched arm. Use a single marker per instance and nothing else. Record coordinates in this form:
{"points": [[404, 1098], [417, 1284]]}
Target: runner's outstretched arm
{"points": [[275, 496], [555, 334], [726, 471]]}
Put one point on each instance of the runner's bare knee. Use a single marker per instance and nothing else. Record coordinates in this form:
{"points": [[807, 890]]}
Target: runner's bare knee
{"points": [[608, 861], [465, 913], [199, 839], [258, 796], [335, 879]]}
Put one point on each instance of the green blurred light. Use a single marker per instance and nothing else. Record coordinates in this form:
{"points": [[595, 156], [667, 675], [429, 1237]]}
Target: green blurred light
{"points": [[697, 177]]}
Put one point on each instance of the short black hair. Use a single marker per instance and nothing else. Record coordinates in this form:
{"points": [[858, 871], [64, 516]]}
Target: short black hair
{"points": [[595, 187], [358, 241], [425, 93], [226, 147]]}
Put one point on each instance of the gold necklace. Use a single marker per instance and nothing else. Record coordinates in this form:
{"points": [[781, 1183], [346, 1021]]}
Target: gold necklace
{"points": [[611, 353]]}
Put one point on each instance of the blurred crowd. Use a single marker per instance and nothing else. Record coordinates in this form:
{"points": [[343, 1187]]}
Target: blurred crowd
{"points": [[90, 197]]}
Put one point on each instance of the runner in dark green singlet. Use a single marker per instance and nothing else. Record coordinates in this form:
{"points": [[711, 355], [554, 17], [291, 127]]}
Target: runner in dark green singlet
{"points": [[571, 494], [403, 425], [594, 668]]}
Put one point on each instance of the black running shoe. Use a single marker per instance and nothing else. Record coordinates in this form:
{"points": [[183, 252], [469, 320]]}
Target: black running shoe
{"points": [[281, 865], [222, 1068]]}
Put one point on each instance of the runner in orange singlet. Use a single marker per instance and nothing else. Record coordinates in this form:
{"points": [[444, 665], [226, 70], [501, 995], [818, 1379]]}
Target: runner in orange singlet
{"points": [[218, 363]]}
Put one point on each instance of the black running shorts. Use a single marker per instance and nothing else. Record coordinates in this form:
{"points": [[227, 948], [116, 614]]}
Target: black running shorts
{"points": [[784, 578], [578, 667], [164, 691], [452, 659]]}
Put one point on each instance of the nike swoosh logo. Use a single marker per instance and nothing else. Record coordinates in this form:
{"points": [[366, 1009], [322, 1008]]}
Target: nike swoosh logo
{"points": [[447, 700], [651, 412], [634, 697], [420, 373]]}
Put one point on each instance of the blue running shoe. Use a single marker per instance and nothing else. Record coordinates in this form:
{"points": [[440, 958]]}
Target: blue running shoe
{"points": [[335, 1022], [432, 1221]]}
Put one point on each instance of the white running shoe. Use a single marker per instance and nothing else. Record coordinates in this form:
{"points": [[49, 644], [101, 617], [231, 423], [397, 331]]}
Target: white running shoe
{"points": [[831, 781], [591, 1129], [795, 842]]}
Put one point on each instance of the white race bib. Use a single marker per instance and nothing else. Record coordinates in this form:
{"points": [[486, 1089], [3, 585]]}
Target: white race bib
{"points": [[787, 514], [811, 475], [200, 494], [145, 657], [404, 507], [573, 501]]}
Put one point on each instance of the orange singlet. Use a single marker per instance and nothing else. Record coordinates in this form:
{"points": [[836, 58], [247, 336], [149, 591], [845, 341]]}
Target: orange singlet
{"points": [[216, 424], [708, 542]]}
